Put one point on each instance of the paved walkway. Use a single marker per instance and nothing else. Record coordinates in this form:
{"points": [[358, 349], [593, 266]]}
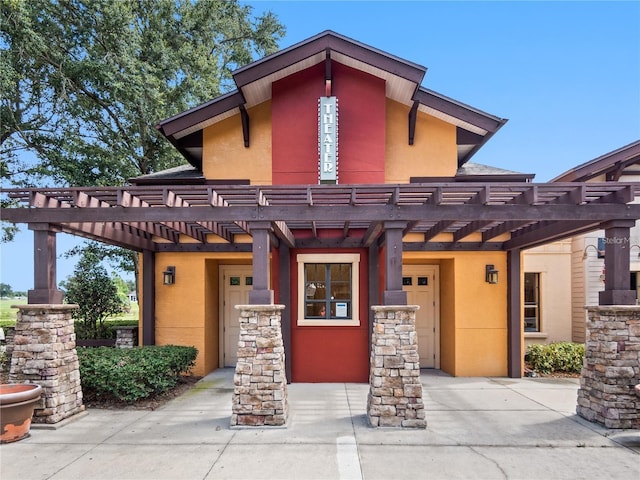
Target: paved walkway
{"points": [[484, 428]]}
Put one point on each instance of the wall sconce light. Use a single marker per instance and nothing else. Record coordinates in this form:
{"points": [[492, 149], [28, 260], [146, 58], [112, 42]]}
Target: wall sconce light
{"points": [[491, 274], [638, 247], [585, 254], [169, 276]]}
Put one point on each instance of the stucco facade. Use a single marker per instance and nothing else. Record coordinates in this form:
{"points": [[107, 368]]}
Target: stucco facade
{"points": [[331, 182], [373, 149]]}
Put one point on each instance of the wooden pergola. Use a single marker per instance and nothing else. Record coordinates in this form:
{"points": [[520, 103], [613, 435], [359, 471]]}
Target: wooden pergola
{"points": [[506, 217]]}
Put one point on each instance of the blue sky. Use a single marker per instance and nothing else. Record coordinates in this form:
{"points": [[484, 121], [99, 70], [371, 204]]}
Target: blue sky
{"points": [[565, 74]]}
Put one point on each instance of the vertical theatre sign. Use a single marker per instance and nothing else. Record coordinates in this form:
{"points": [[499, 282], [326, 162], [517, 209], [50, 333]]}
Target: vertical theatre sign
{"points": [[328, 139]]}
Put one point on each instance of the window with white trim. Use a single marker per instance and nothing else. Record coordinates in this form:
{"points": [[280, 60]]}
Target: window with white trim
{"points": [[531, 302], [328, 289]]}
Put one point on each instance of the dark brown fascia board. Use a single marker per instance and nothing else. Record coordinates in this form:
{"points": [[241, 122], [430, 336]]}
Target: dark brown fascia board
{"points": [[192, 159], [328, 40], [510, 177], [466, 113], [201, 113], [464, 159], [465, 137], [628, 155]]}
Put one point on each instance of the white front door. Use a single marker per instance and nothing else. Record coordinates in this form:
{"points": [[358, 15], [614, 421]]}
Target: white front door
{"points": [[421, 284], [236, 281]]}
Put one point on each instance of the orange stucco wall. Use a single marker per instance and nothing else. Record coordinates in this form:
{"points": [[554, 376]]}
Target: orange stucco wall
{"points": [[473, 313], [373, 149], [225, 156], [187, 312], [433, 153]]}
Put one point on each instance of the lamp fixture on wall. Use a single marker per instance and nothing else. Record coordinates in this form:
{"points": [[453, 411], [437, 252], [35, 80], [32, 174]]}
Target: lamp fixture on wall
{"points": [[169, 276], [491, 274], [638, 246], [585, 253]]}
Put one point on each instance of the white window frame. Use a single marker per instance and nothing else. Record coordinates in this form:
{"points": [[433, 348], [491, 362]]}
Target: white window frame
{"points": [[536, 304], [354, 260]]}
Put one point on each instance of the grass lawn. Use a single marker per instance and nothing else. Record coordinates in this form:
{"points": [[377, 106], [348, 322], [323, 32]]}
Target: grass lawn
{"points": [[8, 314]]}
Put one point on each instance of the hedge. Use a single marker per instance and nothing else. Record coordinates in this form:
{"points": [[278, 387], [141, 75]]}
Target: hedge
{"points": [[556, 357], [133, 374]]}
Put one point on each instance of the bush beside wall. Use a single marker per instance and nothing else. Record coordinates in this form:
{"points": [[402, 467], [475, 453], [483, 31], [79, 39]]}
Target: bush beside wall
{"points": [[133, 374], [556, 357]]}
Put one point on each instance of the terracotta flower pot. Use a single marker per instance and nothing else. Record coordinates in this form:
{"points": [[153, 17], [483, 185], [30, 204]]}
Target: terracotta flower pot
{"points": [[17, 403]]}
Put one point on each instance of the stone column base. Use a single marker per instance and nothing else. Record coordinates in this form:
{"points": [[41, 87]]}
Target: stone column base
{"points": [[260, 382], [611, 367], [395, 391], [44, 352]]}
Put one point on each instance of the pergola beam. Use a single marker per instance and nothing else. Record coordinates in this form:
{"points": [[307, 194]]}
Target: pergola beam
{"points": [[550, 233], [134, 216], [445, 213]]}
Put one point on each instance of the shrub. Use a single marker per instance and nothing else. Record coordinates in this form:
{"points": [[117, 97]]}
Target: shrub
{"points": [[133, 374], [556, 357], [96, 294]]}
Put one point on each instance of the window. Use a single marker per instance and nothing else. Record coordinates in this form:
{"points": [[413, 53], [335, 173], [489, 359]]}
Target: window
{"points": [[328, 289], [532, 302]]}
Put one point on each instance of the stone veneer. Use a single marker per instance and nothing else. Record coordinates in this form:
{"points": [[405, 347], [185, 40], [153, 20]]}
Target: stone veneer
{"points": [[126, 337], [260, 381], [395, 391], [44, 352], [611, 367]]}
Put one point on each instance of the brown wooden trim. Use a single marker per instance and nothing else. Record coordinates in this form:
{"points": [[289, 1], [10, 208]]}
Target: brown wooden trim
{"points": [[261, 294], [207, 247], [328, 74], [550, 232], [459, 110], [502, 228], [148, 298], [608, 164], [413, 113], [334, 42], [617, 250], [201, 113], [244, 116], [373, 259], [515, 356], [144, 217], [284, 294], [438, 228], [393, 293], [45, 289], [446, 213], [465, 137], [103, 342], [453, 246], [470, 228]]}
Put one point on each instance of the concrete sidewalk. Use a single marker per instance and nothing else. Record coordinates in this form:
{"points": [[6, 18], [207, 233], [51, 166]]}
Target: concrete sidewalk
{"points": [[481, 428]]}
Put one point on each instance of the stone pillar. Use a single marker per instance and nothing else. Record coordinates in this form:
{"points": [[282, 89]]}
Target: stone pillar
{"points": [[9, 335], [395, 391], [611, 367], [260, 382], [44, 352], [126, 337]]}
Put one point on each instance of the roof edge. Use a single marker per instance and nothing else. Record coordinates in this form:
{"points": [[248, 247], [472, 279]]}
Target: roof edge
{"points": [[624, 155]]}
